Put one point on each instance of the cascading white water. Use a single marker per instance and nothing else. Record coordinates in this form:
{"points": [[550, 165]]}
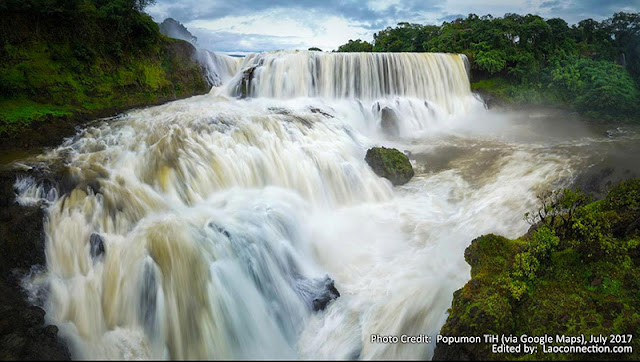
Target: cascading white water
{"points": [[220, 217], [437, 77], [220, 68]]}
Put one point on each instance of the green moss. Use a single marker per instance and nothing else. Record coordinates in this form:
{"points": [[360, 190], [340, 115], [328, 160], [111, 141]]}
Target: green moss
{"points": [[390, 164], [16, 113], [565, 293], [82, 68], [44, 87]]}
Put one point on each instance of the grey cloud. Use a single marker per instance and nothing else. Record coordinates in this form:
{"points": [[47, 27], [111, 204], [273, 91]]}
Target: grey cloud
{"points": [[451, 17], [354, 10], [576, 10], [243, 43], [359, 14], [550, 4]]}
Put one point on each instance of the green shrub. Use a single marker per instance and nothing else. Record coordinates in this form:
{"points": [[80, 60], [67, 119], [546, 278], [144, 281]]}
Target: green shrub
{"points": [[543, 242], [525, 265], [624, 199]]}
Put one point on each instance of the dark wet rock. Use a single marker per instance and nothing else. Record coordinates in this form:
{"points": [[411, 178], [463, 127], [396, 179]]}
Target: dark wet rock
{"points": [[33, 316], [317, 293], [279, 110], [320, 111], [329, 293], [290, 117], [148, 297], [54, 180], [390, 164], [389, 122], [23, 335], [50, 331], [97, 249], [617, 132], [301, 120], [220, 229], [245, 82], [21, 230]]}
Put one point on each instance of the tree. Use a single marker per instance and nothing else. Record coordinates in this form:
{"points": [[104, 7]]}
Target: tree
{"points": [[356, 46]]}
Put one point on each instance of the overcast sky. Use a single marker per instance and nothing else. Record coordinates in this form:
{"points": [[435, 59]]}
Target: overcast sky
{"points": [[262, 25]]}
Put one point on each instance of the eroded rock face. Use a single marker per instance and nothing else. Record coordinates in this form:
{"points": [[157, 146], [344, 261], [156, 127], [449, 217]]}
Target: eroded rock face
{"points": [[245, 83], [328, 294], [390, 164], [23, 334], [317, 293]]}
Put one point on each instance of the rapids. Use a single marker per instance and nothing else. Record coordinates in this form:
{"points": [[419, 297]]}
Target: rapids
{"points": [[220, 216]]}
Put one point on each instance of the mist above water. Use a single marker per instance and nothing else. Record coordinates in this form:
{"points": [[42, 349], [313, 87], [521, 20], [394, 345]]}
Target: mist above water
{"points": [[219, 216]]}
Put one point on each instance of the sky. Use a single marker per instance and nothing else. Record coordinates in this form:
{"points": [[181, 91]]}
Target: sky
{"points": [[243, 26]]}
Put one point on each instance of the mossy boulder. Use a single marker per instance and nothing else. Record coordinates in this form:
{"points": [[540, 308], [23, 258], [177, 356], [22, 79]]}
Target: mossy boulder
{"points": [[390, 164]]}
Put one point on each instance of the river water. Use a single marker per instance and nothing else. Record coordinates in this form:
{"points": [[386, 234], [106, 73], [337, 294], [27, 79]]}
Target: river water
{"points": [[219, 216]]}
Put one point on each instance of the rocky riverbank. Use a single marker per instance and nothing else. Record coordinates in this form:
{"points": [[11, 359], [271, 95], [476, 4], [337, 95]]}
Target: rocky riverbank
{"points": [[23, 332]]}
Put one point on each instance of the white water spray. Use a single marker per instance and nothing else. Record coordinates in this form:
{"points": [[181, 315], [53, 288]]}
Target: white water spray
{"points": [[220, 68]]}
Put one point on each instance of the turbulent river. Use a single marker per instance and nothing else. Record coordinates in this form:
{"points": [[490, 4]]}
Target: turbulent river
{"points": [[218, 217]]}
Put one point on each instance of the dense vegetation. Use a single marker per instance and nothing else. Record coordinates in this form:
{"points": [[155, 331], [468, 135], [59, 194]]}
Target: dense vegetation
{"points": [[575, 272], [592, 66], [61, 59]]}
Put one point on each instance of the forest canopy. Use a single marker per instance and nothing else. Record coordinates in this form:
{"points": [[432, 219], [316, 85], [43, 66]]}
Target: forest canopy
{"points": [[66, 59], [96, 27]]}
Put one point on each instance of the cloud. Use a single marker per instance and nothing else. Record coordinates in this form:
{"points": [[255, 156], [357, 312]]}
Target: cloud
{"points": [[451, 17], [258, 25], [230, 42], [576, 10]]}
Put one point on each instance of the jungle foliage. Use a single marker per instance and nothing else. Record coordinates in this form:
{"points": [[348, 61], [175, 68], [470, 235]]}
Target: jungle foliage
{"points": [[591, 66], [64, 58], [575, 272]]}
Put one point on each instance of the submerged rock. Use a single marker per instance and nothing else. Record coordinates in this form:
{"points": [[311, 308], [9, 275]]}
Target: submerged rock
{"points": [[317, 293], [389, 121], [97, 245], [245, 83], [390, 164], [329, 293], [320, 111]]}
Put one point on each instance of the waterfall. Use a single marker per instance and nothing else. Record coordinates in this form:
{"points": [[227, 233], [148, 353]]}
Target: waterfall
{"points": [[209, 227], [220, 68], [439, 78]]}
